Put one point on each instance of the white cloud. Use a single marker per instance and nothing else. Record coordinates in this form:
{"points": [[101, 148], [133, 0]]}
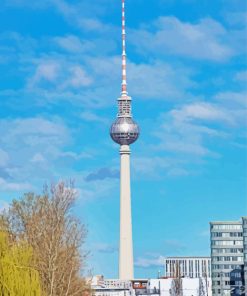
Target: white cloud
{"points": [[105, 248], [232, 98], [171, 247], [179, 136], [207, 39], [59, 75], [79, 77], [75, 156], [202, 111], [32, 132], [59, 72], [73, 44], [47, 70], [33, 146], [236, 18], [93, 117], [150, 262], [92, 79], [26, 3], [91, 191], [4, 206], [186, 144], [241, 76], [154, 80], [38, 158], [37, 148], [74, 84], [159, 80], [159, 166], [12, 186], [84, 14], [189, 128], [178, 172], [4, 158]]}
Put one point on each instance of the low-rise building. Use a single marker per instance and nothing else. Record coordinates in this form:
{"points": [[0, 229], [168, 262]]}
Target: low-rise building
{"points": [[189, 267], [181, 287], [153, 287], [109, 287]]}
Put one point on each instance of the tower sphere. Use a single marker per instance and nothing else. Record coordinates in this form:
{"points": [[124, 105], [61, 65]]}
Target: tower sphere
{"points": [[124, 131]]}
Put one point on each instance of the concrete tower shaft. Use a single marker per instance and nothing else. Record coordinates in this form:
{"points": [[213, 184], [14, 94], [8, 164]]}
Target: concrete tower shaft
{"points": [[126, 268]]}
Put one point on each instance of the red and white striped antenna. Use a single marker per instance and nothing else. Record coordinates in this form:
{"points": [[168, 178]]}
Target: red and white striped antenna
{"points": [[124, 82], [124, 102]]}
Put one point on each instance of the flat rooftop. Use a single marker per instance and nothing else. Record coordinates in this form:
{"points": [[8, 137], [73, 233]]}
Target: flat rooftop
{"points": [[226, 222], [187, 257]]}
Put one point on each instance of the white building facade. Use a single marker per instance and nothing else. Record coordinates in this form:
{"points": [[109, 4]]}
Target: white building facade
{"points": [[188, 267], [187, 287], [109, 287], [153, 287]]}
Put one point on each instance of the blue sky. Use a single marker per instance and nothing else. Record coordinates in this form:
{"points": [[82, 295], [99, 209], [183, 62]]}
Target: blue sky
{"points": [[60, 78]]}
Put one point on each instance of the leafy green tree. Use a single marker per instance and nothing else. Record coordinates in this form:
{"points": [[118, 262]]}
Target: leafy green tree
{"points": [[17, 277]]}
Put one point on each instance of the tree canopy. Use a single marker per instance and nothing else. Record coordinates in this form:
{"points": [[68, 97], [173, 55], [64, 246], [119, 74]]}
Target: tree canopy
{"points": [[17, 276]]}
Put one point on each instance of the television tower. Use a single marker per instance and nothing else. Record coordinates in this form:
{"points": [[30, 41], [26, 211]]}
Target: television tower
{"points": [[125, 131]]}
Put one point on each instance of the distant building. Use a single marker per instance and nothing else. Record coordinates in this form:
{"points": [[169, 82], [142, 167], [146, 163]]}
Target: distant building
{"points": [[151, 287], [187, 287], [109, 287], [189, 267], [227, 258], [244, 223]]}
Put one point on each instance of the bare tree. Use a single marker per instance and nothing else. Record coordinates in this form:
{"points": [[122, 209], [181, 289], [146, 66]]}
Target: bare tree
{"points": [[56, 236], [205, 276], [177, 284], [201, 290]]}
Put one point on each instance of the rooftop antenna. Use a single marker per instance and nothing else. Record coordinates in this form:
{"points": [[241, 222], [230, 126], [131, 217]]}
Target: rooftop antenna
{"points": [[124, 77]]}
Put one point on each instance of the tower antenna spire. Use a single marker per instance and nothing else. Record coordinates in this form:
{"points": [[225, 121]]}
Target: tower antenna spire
{"points": [[124, 78]]}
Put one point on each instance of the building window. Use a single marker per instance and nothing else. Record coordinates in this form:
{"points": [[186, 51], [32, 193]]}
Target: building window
{"points": [[230, 250], [238, 283], [226, 226], [222, 243]]}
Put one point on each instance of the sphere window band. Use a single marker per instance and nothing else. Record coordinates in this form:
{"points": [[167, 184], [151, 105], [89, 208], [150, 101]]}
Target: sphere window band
{"points": [[124, 131]]}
